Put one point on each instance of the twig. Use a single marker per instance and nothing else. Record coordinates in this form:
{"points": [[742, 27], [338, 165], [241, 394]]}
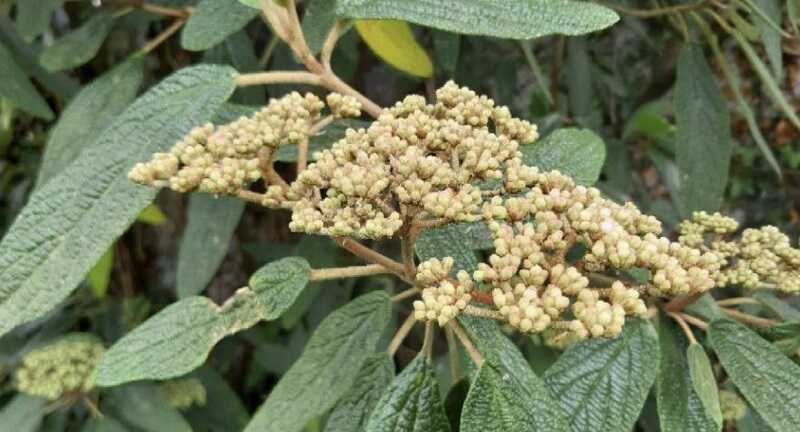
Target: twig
{"points": [[278, 77], [685, 327], [473, 352], [749, 319], [427, 342], [401, 334], [483, 297], [253, 197], [678, 304], [453, 355], [161, 37], [328, 46], [411, 292], [697, 322], [736, 301], [654, 13], [368, 254], [347, 272], [92, 407], [268, 50]]}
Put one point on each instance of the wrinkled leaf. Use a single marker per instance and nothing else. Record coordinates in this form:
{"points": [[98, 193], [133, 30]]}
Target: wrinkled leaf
{"points": [[703, 135], [279, 283], [578, 153], [212, 21], [508, 19], [446, 48], [766, 378], [353, 410], [79, 46], [411, 403], [394, 43], [210, 226], [23, 413], [321, 141], [680, 405], [16, 87], [602, 384], [89, 113], [104, 424], [72, 220], [223, 411], [33, 17], [328, 367], [318, 20], [142, 406], [770, 37]]}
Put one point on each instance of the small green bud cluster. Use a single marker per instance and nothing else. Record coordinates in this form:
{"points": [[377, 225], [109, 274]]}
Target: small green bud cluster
{"points": [[442, 297], [733, 407], [184, 393], [60, 368], [417, 156], [761, 257]]}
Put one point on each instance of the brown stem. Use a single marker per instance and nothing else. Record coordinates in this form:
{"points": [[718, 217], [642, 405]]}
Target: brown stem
{"points": [[334, 83], [678, 304], [249, 196], [161, 37], [452, 355], [407, 249], [427, 342], [483, 297], [736, 301], [368, 254], [302, 154], [685, 327], [748, 319], [411, 292], [401, 334], [268, 173], [278, 77], [473, 352], [347, 272], [697, 322]]}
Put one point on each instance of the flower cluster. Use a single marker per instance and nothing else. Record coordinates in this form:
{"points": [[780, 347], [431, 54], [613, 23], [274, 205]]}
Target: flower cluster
{"points": [[184, 393], [61, 368], [417, 161], [442, 297], [228, 158], [760, 257]]}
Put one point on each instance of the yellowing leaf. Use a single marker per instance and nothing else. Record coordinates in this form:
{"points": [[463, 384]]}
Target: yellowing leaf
{"points": [[152, 215], [99, 276], [392, 41]]}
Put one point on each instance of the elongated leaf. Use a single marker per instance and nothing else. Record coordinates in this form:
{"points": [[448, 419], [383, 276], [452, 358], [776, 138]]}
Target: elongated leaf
{"points": [[446, 49], [703, 136], [602, 384], [353, 410], [766, 378], [393, 42], [88, 114], [279, 283], [508, 19], [579, 153], [328, 367], [211, 223], [703, 380], [33, 17], [16, 87], [778, 306], [223, 411], [680, 406], [411, 403], [212, 21], [99, 276], [766, 22], [79, 46], [104, 424], [496, 402], [73, 219], [142, 406], [24, 413], [318, 20]]}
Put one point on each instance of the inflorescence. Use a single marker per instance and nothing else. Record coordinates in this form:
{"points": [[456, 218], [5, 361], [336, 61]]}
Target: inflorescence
{"points": [[562, 252], [61, 368], [184, 393]]}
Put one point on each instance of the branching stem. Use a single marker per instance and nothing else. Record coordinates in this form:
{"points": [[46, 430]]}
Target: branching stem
{"points": [[401, 334], [473, 352], [161, 37], [347, 272], [748, 319], [411, 292], [736, 301], [697, 322], [685, 327], [373, 256]]}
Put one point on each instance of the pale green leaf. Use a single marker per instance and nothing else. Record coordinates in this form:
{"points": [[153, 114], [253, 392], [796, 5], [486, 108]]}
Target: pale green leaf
{"points": [[394, 43], [766, 378], [16, 87], [142, 406], [680, 406], [80, 45], [578, 153], [328, 367], [72, 220], [412, 402], [212, 21], [210, 226], [90, 112], [104, 424], [767, 21], [23, 413], [256, 4], [33, 17], [704, 381], [778, 306], [99, 276], [515, 19], [354, 408], [703, 135], [318, 20], [602, 384], [279, 283]]}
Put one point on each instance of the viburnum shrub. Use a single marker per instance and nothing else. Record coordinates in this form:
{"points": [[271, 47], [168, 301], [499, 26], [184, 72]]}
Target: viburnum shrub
{"points": [[543, 303]]}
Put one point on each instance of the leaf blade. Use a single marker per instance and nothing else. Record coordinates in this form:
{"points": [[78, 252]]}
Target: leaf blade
{"points": [[579, 153], [394, 43], [212, 21], [18, 89]]}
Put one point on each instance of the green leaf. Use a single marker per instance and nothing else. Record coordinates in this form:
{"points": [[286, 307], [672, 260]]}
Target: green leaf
{"points": [[446, 241], [703, 135], [394, 43], [514, 19], [411, 403], [354, 408], [497, 403], [152, 215], [681, 406], [104, 424], [446, 49], [329, 366], [88, 114], [210, 226], [579, 79], [212, 21], [766, 378], [16, 87], [321, 141], [602, 384], [781, 308], [24, 413], [99, 276], [251, 3], [72, 220], [143, 407], [33, 17], [704, 381], [770, 36], [79, 46], [279, 283], [223, 411], [318, 20], [578, 153]]}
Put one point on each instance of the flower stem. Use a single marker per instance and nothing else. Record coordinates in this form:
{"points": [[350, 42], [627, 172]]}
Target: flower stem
{"points": [[347, 272], [401, 334], [473, 352], [685, 327]]}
